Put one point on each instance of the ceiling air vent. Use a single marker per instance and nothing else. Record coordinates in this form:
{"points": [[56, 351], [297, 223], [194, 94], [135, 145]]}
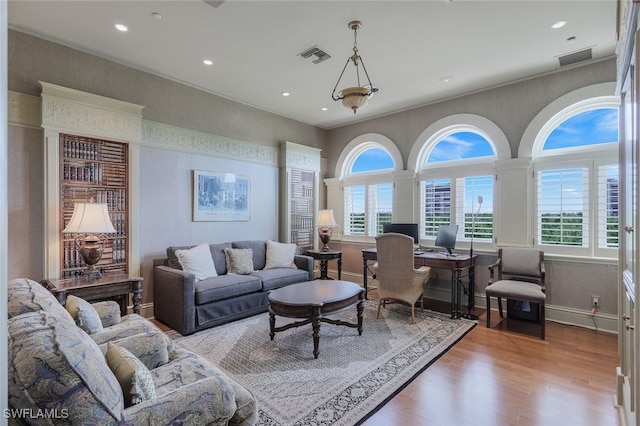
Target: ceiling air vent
{"points": [[320, 54], [213, 3], [575, 57]]}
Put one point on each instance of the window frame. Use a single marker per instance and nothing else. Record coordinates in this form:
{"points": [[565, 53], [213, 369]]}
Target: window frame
{"points": [[592, 159], [346, 161]]}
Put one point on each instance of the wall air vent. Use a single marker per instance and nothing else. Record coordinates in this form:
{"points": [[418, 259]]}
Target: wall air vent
{"points": [[575, 57], [320, 54]]}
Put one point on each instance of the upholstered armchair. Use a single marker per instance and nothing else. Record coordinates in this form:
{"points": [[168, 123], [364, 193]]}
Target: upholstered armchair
{"points": [[518, 274], [398, 280]]}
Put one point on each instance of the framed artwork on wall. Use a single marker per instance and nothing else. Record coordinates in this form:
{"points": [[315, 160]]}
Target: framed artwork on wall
{"points": [[220, 197]]}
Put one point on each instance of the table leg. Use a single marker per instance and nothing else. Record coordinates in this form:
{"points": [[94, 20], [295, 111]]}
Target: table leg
{"points": [[323, 269], [340, 268], [272, 325], [315, 324], [137, 297]]}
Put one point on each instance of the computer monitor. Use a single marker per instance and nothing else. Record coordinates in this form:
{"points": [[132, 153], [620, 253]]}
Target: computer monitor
{"points": [[410, 229], [447, 237]]}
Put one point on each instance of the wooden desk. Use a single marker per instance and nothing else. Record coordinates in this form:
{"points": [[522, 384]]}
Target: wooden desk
{"points": [[460, 265], [324, 257], [114, 286]]}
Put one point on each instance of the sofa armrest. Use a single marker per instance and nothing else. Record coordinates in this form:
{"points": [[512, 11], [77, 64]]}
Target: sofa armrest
{"points": [[174, 298], [108, 311], [207, 401], [304, 262]]}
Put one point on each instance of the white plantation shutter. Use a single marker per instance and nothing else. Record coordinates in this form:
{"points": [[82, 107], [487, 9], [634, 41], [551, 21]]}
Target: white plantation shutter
{"points": [[563, 207], [367, 207], [607, 206], [435, 199], [354, 212], [467, 191], [380, 207]]}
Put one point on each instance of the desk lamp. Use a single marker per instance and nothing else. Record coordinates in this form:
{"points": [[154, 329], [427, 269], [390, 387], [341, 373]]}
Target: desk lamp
{"points": [[325, 224], [92, 219]]}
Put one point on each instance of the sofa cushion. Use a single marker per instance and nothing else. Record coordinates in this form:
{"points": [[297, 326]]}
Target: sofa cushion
{"points": [[259, 251], [151, 347], [26, 295], [53, 363], [108, 311], [278, 277], [217, 255], [280, 255], [134, 377], [198, 261], [225, 286], [239, 261], [84, 314], [186, 367]]}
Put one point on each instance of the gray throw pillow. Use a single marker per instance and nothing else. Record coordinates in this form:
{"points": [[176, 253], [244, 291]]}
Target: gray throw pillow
{"points": [[239, 261]]}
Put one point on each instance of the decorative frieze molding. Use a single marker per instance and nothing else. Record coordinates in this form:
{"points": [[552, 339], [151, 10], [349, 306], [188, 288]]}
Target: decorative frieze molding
{"points": [[23, 110], [76, 112], [298, 156], [180, 139]]}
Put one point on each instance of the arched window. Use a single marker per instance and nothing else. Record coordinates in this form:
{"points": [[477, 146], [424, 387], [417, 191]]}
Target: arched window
{"points": [[576, 180], [367, 166], [456, 171]]}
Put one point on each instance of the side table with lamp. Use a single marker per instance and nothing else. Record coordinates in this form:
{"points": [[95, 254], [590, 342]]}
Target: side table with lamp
{"points": [[90, 223], [325, 224]]}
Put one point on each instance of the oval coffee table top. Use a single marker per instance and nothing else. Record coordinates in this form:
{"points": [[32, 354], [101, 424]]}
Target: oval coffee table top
{"points": [[316, 292]]}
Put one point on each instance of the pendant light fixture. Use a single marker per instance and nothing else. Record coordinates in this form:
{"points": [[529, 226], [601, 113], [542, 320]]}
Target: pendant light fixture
{"points": [[354, 97]]}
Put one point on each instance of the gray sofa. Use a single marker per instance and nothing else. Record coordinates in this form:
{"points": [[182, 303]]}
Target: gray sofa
{"points": [[188, 305], [57, 368]]}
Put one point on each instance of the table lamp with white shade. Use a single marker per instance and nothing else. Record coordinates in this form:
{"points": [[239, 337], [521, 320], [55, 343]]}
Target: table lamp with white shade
{"points": [[93, 220], [325, 224]]}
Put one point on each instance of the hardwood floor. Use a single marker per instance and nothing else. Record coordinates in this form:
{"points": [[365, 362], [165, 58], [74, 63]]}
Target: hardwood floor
{"points": [[507, 376], [500, 377]]}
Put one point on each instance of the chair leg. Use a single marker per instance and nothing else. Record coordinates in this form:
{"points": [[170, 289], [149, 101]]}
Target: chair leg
{"points": [[413, 315], [500, 307], [422, 303], [542, 325], [379, 304], [488, 311]]}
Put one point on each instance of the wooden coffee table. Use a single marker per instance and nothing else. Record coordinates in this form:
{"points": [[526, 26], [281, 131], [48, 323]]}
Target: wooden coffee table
{"points": [[312, 301]]}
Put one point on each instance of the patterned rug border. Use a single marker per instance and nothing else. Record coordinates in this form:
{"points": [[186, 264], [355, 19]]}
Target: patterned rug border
{"points": [[371, 404]]}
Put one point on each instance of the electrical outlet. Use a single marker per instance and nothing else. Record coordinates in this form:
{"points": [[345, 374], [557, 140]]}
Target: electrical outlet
{"points": [[595, 301]]}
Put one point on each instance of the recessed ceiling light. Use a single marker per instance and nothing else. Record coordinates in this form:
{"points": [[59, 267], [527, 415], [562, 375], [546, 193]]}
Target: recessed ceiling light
{"points": [[446, 79], [208, 62], [558, 24], [285, 93], [325, 109], [121, 27], [156, 15]]}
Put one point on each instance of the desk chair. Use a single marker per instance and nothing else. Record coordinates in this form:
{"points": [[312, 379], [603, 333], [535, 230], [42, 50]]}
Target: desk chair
{"points": [[518, 274], [398, 280]]}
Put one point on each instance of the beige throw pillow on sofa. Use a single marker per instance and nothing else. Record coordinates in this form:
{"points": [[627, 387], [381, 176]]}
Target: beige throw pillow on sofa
{"points": [[198, 261], [239, 261], [280, 255]]}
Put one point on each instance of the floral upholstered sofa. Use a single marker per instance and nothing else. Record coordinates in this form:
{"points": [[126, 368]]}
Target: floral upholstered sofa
{"points": [[125, 372]]}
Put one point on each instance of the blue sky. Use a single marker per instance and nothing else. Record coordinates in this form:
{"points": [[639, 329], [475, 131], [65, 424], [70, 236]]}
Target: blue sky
{"points": [[587, 128]]}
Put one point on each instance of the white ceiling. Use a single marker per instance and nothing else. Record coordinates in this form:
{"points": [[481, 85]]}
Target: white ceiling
{"points": [[407, 46]]}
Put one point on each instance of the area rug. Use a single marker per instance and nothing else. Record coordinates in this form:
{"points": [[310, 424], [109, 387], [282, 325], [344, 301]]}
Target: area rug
{"points": [[351, 379]]}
